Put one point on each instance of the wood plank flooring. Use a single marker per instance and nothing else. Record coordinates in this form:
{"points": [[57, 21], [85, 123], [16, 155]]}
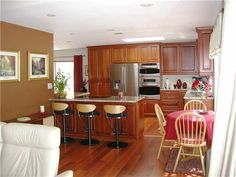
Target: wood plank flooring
{"points": [[137, 160]]}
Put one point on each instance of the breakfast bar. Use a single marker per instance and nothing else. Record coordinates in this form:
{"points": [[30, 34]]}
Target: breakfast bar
{"points": [[131, 128]]}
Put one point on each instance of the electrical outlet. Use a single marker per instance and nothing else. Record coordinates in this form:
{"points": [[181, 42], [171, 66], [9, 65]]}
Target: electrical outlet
{"points": [[49, 86]]}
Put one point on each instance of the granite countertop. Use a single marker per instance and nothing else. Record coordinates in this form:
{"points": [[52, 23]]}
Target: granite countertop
{"points": [[111, 99], [192, 94]]}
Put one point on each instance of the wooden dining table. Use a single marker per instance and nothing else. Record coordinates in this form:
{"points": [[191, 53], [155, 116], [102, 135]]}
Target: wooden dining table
{"points": [[170, 125]]}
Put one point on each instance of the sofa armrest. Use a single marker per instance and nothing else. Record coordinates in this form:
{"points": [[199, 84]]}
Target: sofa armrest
{"points": [[68, 173]]}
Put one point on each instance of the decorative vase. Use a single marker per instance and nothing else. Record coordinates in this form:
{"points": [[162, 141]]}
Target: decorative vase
{"points": [[61, 95]]}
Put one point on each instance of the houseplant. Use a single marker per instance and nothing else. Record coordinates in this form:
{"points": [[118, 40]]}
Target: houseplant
{"points": [[60, 83]]}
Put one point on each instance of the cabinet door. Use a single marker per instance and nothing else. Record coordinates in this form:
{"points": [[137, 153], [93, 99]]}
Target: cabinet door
{"points": [[154, 52], [94, 89], [104, 89], [149, 110], [132, 53], [188, 59], [93, 61], [144, 53], [206, 65], [169, 59], [104, 64], [117, 54]]}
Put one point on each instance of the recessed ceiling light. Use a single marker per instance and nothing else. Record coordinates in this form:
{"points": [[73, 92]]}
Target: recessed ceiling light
{"points": [[146, 5], [72, 34], [144, 39], [118, 33], [110, 29], [51, 15], [69, 41]]}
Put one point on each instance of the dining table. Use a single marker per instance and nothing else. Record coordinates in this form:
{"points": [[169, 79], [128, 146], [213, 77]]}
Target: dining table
{"points": [[170, 124]]}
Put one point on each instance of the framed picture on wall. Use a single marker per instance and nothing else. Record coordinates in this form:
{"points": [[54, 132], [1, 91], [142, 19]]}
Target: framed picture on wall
{"points": [[9, 65], [38, 66]]}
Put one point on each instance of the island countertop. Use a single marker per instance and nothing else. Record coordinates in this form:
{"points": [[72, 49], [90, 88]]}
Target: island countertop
{"points": [[111, 99]]}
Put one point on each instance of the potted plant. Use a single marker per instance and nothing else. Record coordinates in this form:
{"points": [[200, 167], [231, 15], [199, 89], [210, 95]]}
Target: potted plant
{"points": [[60, 83]]}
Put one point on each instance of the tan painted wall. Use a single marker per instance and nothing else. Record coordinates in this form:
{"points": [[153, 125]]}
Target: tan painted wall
{"points": [[24, 98]]}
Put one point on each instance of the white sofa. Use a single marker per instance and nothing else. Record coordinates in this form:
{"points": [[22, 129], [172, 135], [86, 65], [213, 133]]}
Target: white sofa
{"points": [[28, 150]]}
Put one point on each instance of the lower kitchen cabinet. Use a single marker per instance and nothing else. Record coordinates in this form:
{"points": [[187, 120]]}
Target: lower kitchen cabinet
{"points": [[148, 107], [172, 100]]}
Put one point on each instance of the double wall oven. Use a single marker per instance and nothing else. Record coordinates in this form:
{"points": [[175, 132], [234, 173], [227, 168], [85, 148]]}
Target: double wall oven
{"points": [[149, 80]]}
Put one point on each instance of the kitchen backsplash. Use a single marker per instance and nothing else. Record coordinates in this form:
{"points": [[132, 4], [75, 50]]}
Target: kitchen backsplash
{"points": [[173, 79]]}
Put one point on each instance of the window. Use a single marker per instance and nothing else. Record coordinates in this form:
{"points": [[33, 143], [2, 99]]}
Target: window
{"points": [[67, 67]]}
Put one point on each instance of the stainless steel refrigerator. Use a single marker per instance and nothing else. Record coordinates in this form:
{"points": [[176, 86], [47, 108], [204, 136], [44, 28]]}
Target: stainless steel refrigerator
{"points": [[124, 77]]}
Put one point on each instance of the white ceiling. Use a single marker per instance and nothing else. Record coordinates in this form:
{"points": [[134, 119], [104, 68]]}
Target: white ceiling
{"points": [[81, 23]]}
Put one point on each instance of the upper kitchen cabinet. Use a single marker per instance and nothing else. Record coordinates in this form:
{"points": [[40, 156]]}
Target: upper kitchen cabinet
{"points": [[205, 64], [169, 59], [118, 54], [188, 59], [132, 54], [135, 53], [149, 53], [99, 64], [179, 58]]}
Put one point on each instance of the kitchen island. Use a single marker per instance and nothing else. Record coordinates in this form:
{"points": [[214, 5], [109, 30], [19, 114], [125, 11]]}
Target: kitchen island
{"points": [[131, 128]]}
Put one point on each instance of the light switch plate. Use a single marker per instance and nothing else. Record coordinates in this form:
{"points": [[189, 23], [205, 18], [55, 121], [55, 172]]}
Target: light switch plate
{"points": [[49, 85]]}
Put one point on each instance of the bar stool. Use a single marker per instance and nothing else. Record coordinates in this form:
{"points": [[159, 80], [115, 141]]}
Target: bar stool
{"points": [[116, 112], [61, 109], [88, 111]]}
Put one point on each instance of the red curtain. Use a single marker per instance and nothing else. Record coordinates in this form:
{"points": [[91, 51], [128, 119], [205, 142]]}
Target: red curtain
{"points": [[78, 73]]}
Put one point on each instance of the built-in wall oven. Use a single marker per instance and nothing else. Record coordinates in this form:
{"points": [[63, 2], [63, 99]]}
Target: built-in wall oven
{"points": [[149, 80]]}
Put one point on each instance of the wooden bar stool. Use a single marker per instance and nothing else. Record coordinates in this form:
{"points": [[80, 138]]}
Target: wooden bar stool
{"points": [[87, 111], [116, 112], [61, 109]]}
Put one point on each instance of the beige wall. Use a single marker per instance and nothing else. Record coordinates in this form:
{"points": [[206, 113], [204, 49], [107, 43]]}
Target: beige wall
{"points": [[24, 97]]}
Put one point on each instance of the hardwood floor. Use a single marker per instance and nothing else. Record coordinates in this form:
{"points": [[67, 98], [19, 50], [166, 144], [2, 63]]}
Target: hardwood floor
{"points": [[137, 160]]}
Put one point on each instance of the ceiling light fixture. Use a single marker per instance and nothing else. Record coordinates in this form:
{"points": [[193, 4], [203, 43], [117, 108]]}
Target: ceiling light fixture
{"points": [[146, 5], [118, 33], [51, 15], [144, 39]]}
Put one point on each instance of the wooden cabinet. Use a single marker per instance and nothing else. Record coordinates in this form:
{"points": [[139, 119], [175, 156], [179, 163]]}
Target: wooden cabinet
{"points": [[149, 53], [135, 53], [179, 58], [205, 64], [117, 54], [148, 107], [99, 71], [171, 100], [169, 59], [188, 59], [132, 54]]}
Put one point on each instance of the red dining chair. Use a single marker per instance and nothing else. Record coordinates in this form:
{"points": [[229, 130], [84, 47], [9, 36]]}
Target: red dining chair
{"points": [[190, 130]]}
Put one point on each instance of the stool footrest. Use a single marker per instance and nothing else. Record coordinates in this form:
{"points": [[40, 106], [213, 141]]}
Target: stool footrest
{"points": [[113, 145], [86, 142]]}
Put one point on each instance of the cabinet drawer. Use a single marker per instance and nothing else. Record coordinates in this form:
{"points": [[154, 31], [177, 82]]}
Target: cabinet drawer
{"points": [[169, 95], [168, 102]]}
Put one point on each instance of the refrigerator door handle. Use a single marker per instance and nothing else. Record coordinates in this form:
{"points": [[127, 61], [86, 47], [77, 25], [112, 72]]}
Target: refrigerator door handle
{"points": [[122, 77], [125, 77]]}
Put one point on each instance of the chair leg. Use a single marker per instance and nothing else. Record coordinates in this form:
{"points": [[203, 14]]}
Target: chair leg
{"points": [[159, 151], [202, 160], [64, 129], [177, 158]]}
